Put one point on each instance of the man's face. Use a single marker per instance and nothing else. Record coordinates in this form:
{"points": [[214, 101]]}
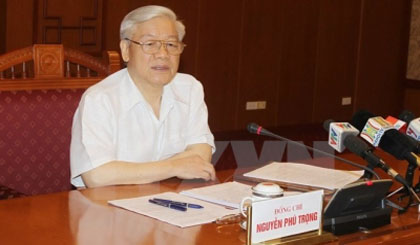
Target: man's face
{"points": [[156, 69]]}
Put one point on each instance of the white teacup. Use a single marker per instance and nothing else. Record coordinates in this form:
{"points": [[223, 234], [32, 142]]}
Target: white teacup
{"points": [[260, 192]]}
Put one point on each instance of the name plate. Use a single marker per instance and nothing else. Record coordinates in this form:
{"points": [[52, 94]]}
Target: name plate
{"points": [[286, 216]]}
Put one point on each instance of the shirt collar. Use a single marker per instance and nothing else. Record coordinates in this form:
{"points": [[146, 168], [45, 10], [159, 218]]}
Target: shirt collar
{"points": [[130, 93]]}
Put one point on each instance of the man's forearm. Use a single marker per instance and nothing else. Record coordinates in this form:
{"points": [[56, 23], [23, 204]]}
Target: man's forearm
{"points": [[119, 173], [203, 150]]}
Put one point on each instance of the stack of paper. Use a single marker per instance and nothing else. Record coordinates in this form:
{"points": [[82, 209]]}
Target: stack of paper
{"points": [[304, 174], [209, 213]]}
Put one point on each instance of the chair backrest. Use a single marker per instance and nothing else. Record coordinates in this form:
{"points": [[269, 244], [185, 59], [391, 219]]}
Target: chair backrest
{"points": [[56, 65], [40, 89]]}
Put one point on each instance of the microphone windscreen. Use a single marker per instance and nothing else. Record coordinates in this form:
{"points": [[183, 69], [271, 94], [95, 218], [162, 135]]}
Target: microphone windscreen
{"points": [[413, 142], [395, 144], [252, 128], [356, 145], [326, 124], [406, 116], [360, 118]]}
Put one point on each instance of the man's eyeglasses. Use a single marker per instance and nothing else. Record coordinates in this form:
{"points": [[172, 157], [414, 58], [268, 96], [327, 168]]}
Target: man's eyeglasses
{"points": [[153, 46]]}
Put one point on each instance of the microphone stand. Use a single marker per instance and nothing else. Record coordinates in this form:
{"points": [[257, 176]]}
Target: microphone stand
{"points": [[373, 162], [368, 175], [409, 190], [417, 187], [411, 193], [409, 175]]}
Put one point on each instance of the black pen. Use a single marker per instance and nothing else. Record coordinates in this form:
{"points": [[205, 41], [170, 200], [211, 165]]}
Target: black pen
{"points": [[182, 204], [168, 205]]}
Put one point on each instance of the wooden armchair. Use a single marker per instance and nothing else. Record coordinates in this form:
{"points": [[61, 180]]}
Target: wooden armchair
{"points": [[40, 89]]}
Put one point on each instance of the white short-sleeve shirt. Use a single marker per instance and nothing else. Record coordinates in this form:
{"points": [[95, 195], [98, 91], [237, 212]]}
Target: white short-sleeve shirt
{"points": [[114, 122]]}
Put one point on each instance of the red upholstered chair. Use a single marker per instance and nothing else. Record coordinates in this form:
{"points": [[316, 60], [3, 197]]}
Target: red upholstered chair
{"points": [[40, 88]]}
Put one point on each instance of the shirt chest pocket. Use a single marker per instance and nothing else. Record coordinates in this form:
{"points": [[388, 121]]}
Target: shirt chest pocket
{"points": [[173, 145]]}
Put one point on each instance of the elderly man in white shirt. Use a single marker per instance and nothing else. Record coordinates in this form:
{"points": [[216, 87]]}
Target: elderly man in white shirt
{"points": [[147, 122]]}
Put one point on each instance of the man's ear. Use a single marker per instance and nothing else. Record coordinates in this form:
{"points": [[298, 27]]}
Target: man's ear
{"points": [[124, 45]]}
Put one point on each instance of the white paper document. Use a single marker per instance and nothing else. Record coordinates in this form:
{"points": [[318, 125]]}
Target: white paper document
{"points": [[304, 174], [209, 213], [228, 194]]}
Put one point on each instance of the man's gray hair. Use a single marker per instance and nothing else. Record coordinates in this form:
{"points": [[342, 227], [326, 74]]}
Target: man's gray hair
{"points": [[146, 13]]}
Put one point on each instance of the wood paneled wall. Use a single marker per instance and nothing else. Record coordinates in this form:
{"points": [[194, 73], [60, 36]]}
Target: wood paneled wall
{"points": [[300, 56], [412, 96], [75, 23], [19, 24], [2, 26], [382, 59], [412, 91], [411, 100], [338, 33]]}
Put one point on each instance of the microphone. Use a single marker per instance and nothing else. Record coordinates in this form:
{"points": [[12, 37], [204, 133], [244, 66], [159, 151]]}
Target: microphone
{"points": [[398, 124], [413, 129], [390, 141], [407, 116], [337, 132], [256, 129], [415, 143], [360, 148], [401, 126], [372, 128]]}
